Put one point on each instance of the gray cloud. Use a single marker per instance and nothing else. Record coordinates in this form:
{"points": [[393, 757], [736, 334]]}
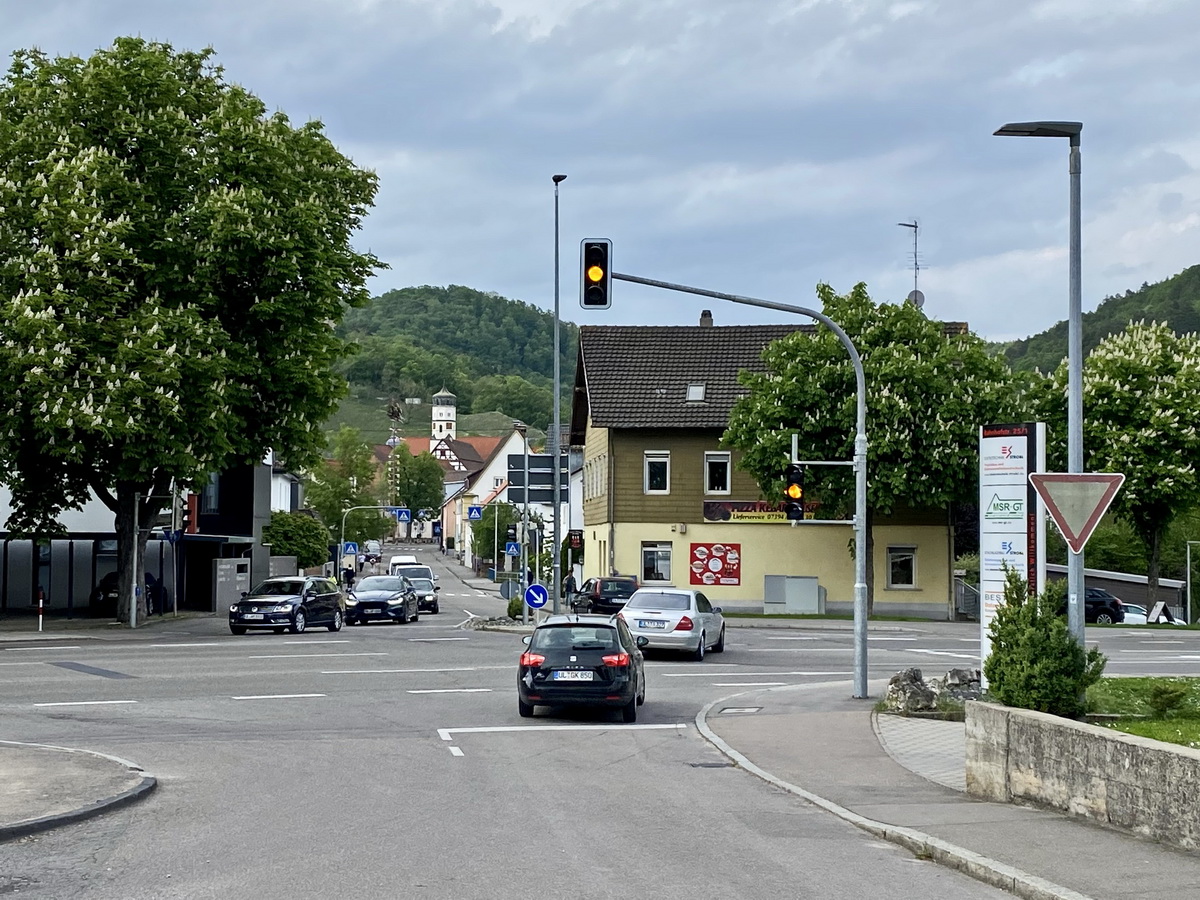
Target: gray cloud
{"points": [[754, 148]]}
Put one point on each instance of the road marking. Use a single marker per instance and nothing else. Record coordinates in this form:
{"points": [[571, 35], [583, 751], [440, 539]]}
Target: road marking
{"points": [[32, 662], [800, 650], [455, 751], [881, 638], [706, 665], [87, 703], [324, 641], [431, 640], [445, 733], [54, 649], [315, 655], [210, 644], [407, 671], [275, 696], [794, 639], [453, 691], [748, 674], [944, 653], [748, 683], [1148, 643]]}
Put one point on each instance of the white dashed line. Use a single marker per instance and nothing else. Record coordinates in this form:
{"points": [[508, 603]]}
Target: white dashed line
{"points": [[445, 733], [405, 671], [276, 696], [453, 691], [748, 683], [55, 648], [431, 640], [315, 655], [748, 675], [87, 703], [455, 751]]}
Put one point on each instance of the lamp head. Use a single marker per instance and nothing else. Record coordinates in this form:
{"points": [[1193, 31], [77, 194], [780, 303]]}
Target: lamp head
{"points": [[558, 178], [1042, 129]]}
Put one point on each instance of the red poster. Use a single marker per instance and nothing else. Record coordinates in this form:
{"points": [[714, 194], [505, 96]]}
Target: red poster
{"points": [[711, 564]]}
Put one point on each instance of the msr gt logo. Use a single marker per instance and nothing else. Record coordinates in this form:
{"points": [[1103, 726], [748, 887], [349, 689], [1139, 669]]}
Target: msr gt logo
{"points": [[1004, 508]]}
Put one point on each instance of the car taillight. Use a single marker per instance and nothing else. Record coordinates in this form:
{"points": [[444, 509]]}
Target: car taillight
{"points": [[532, 659], [685, 624], [616, 659]]}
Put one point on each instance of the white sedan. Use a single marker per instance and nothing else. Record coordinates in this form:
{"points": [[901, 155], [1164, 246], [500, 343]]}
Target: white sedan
{"points": [[1135, 614], [675, 619]]}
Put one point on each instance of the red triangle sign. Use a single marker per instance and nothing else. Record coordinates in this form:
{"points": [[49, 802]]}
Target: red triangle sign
{"points": [[1076, 501]]}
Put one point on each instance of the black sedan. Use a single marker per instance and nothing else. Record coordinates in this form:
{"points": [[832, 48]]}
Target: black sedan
{"points": [[426, 590], [383, 598], [581, 660], [289, 603]]}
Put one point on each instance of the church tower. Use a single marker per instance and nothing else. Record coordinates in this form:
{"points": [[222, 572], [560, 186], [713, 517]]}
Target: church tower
{"points": [[444, 416]]}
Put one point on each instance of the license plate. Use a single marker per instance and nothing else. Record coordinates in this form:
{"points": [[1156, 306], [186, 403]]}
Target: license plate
{"points": [[651, 623], [561, 675], [253, 616]]}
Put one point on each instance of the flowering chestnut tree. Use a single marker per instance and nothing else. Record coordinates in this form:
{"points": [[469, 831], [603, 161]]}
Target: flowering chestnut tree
{"points": [[173, 262]]}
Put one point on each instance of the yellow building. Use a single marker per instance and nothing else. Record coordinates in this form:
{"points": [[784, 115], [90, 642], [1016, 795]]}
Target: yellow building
{"points": [[662, 499]]}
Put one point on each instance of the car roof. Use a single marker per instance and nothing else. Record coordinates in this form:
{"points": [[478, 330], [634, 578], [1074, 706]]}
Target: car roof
{"points": [[577, 619]]}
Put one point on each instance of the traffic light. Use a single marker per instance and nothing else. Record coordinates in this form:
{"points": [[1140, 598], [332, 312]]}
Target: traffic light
{"points": [[595, 262], [793, 491], [511, 533]]}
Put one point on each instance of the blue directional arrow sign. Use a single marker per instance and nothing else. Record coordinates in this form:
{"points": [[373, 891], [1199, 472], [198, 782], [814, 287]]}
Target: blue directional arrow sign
{"points": [[403, 515], [474, 513], [536, 595], [512, 548]]}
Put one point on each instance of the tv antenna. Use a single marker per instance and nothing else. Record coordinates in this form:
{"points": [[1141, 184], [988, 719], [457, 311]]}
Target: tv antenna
{"points": [[915, 297]]}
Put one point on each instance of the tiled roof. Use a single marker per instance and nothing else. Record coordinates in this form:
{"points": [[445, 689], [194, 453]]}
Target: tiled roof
{"points": [[638, 376]]}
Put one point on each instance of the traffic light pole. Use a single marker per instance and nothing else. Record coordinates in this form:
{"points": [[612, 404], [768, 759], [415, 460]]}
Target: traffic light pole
{"points": [[860, 457]]}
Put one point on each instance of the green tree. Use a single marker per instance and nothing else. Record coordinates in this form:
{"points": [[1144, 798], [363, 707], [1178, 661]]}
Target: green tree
{"points": [[515, 396], [416, 482], [490, 531], [174, 261], [927, 395], [300, 535], [344, 482], [1141, 417]]}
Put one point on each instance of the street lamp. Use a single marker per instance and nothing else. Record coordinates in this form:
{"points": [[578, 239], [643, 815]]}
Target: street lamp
{"points": [[1071, 131], [556, 426]]}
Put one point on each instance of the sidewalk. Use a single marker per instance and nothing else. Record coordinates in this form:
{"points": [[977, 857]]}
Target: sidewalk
{"points": [[902, 780]]}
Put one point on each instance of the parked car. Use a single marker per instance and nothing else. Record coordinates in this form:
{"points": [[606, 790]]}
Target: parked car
{"points": [[292, 603], [1134, 614], [604, 595], [582, 660], [427, 598], [103, 599], [1102, 607], [382, 598], [675, 619]]}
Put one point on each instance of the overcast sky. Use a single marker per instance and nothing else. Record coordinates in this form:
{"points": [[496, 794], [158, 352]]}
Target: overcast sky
{"points": [[754, 147]]}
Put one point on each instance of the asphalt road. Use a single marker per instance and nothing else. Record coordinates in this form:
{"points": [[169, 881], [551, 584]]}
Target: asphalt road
{"points": [[389, 761]]}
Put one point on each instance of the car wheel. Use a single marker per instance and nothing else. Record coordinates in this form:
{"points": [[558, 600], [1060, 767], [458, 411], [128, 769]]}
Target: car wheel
{"points": [[698, 653], [299, 623], [336, 624], [629, 711], [435, 609], [1104, 618], [238, 629], [416, 617], [525, 709], [719, 646], [403, 620]]}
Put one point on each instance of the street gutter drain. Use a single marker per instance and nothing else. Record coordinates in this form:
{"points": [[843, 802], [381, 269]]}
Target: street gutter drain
{"points": [[740, 709], [711, 765]]}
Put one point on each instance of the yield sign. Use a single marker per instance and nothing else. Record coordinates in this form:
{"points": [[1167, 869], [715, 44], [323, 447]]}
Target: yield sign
{"points": [[1076, 501]]}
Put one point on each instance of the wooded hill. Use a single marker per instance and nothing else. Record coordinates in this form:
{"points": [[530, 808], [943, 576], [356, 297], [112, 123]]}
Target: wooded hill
{"points": [[1175, 301], [493, 353]]}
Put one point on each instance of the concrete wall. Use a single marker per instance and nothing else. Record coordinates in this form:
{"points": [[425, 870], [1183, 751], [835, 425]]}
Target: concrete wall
{"points": [[1115, 779]]}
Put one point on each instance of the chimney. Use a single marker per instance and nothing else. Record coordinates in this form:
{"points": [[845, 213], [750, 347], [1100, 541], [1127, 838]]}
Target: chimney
{"points": [[706, 318]]}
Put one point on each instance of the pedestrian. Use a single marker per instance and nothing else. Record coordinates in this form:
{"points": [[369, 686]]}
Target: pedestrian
{"points": [[568, 585], [362, 561], [348, 577]]}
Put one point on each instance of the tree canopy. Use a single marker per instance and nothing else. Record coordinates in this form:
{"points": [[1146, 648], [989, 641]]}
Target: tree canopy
{"points": [[173, 263], [300, 535], [346, 481]]}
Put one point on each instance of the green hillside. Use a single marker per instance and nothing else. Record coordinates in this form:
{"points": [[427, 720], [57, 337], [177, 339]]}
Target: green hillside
{"points": [[496, 355], [1175, 301]]}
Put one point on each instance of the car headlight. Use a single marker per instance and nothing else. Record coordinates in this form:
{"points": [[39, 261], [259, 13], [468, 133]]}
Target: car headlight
{"points": [[351, 601], [392, 601], [282, 607], [233, 609]]}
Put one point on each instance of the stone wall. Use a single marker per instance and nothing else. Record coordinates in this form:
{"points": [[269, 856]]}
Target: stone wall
{"points": [[1140, 785]]}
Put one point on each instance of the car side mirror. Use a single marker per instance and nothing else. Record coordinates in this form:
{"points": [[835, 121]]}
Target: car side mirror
{"points": [[716, 609], [436, 588], [643, 642], [245, 594], [529, 637]]}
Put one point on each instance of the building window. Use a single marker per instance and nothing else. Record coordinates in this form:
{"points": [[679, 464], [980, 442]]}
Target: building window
{"points": [[656, 562], [658, 472], [695, 393], [497, 482], [210, 495], [901, 567], [716, 473]]}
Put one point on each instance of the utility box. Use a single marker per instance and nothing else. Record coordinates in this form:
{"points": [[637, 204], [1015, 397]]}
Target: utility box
{"points": [[793, 594], [230, 578]]}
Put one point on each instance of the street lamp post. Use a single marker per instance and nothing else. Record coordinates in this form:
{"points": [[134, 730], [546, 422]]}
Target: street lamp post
{"points": [[556, 426], [1071, 131], [522, 429]]}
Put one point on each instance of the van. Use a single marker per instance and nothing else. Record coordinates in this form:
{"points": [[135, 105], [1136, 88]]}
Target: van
{"points": [[395, 561]]}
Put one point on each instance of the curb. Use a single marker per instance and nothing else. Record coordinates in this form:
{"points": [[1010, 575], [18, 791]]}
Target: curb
{"points": [[977, 866], [106, 804]]}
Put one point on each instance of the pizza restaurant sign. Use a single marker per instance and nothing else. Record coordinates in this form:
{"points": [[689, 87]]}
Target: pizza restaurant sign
{"points": [[711, 564], [750, 511]]}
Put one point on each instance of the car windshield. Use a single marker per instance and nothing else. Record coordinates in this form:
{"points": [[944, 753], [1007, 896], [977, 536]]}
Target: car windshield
{"points": [[287, 587], [422, 584], [380, 583], [617, 588], [659, 600], [574, 637]]}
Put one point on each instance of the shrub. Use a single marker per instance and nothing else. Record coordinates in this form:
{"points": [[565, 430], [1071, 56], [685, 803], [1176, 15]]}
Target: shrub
{"points": [[1164, 699], [514, 608], [1035, 662]]}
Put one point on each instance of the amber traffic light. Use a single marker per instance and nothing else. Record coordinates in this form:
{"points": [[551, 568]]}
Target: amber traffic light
{"points": [[595, 263], [793, 492]]}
